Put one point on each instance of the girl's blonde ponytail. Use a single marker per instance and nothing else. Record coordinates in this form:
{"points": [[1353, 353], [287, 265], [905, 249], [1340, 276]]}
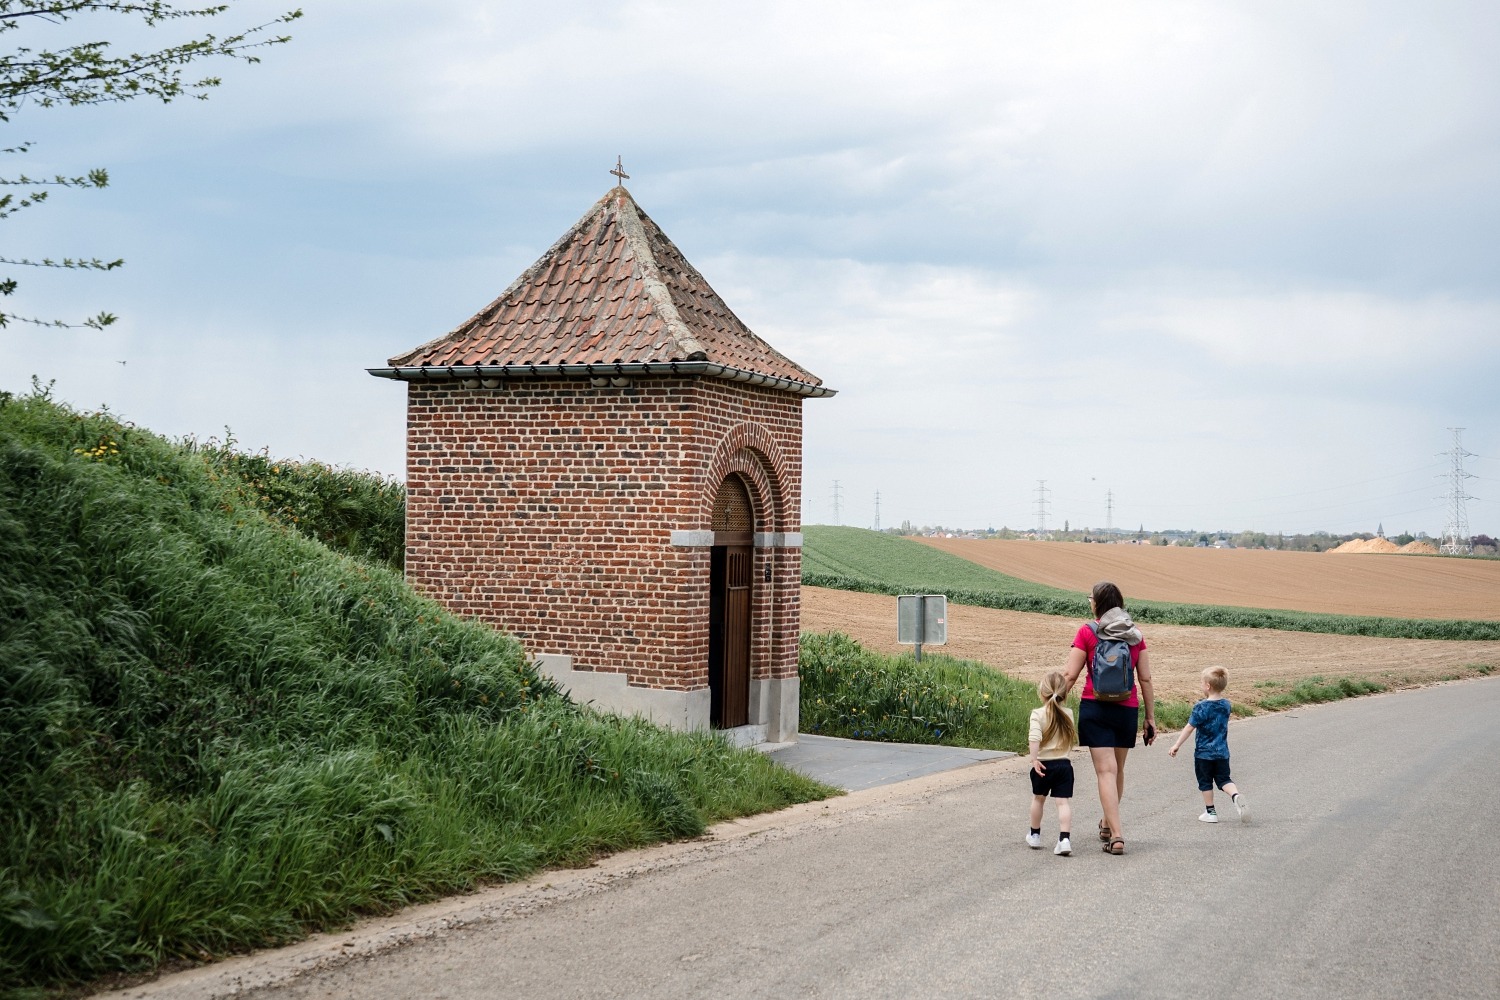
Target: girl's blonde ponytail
{"points": [[1056, 725]]}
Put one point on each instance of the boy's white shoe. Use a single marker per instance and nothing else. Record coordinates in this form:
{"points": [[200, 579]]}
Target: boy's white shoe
{"points": [[1208, 817], [1243, 807], [1033, 840], [1064, 846]]}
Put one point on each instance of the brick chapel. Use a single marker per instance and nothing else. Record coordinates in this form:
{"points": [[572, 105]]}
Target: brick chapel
{"points": [[606, 463]]}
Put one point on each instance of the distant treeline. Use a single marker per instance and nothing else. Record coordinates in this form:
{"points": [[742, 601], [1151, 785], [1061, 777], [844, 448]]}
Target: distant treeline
{"points": [[1316, 541]]}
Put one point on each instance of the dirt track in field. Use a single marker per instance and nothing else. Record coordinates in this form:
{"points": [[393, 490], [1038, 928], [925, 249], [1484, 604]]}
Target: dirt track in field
{"points": [[1337, 583], [1028, 645]]}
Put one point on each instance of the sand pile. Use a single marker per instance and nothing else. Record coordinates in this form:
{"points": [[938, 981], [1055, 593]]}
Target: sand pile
{"points": [[1418, 548], [1367, 545]]}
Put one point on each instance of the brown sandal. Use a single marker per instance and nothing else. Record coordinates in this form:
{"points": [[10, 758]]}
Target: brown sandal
{"points": [[1104, 831], [1116, 845]]}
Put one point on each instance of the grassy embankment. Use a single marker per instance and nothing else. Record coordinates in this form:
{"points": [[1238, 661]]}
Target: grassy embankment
{"points": [[849, 690], [218, 733]]}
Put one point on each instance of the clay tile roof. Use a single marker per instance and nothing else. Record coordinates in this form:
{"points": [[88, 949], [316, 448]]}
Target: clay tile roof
{"points": [[613, 290]]}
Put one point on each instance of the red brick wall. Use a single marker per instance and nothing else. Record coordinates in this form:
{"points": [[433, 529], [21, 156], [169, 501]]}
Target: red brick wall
{"points": [[547, 509]]}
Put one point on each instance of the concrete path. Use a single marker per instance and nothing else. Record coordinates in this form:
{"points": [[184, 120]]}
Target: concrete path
{"points": [[1369, 872], [854, 765]]}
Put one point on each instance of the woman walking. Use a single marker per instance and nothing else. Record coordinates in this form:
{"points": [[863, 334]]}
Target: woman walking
{"points": [[1108, 718]]}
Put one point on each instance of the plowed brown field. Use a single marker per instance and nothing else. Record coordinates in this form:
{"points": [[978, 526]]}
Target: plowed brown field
{"points": [[1360, 584], [1028, 645]]}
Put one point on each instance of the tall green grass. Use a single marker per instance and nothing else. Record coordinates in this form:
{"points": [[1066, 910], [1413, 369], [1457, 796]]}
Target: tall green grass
{"points": [[872, 562], [1317, 689], [216, 733], [360, 513], [857, 693]]}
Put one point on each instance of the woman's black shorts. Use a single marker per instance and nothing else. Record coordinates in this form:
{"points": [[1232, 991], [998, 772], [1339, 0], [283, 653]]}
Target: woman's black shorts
{"points": [[1057, 782], [1106, 724]]}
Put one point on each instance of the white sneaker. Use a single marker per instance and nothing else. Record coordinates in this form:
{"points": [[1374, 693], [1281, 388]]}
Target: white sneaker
{"points": [[1033, 840], [1243, 807], [1208, 817], [1064, 846]]}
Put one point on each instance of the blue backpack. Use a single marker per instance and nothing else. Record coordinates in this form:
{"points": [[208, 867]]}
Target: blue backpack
{"points": [[1110, 669]]}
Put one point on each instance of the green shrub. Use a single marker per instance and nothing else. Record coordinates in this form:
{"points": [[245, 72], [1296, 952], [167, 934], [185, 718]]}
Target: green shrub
{"points": [[854, 692]]}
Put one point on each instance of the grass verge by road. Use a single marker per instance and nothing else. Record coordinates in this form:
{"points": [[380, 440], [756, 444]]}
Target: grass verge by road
{"points": [[856, 559]]}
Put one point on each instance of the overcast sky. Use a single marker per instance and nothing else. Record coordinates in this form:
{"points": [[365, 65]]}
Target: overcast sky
{"points": [[1236, 264]]}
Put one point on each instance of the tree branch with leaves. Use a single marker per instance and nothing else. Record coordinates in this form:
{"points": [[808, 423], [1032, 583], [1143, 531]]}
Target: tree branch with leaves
{"points": [[88, 73]]}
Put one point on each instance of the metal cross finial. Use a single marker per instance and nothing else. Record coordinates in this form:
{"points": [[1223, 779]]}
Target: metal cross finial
{"points": [[619, 170]]}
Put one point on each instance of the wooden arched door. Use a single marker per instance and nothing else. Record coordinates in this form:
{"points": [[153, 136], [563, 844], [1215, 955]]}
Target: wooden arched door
{"points": [[730, 580]]}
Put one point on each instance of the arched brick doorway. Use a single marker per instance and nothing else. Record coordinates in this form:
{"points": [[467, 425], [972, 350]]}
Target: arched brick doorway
{"points": [[730, 582]]}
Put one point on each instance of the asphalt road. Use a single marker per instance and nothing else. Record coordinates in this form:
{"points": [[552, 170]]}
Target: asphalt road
{"points": [[1369, 872]]}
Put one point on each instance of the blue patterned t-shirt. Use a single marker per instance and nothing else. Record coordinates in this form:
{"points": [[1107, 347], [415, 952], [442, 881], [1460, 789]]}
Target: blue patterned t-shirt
{"points": [[1211, 719]]}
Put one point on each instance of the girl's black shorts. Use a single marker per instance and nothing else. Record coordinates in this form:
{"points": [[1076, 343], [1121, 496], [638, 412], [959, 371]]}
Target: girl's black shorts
{"points": [[1057, 782], [1107, 724]]}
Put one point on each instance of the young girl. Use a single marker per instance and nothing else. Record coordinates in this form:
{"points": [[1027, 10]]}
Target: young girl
{"points": [[1053, 735]]}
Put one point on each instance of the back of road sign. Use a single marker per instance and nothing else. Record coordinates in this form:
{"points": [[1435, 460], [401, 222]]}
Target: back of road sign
{"points": [[922, 619]]}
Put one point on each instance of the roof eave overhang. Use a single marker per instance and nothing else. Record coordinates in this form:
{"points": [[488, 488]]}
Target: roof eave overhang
{"points": [[427, 373]]}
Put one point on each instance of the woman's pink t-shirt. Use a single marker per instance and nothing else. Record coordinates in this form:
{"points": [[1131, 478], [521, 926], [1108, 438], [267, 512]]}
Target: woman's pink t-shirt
{"points": [[1086, 641]]}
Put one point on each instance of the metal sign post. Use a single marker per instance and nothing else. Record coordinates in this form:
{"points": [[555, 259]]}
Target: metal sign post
{"points": [[921, 619]]}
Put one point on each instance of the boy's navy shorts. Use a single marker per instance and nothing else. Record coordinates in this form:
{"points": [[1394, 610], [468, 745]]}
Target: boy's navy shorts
{"points": [[1057, 782], [1211, 772]]}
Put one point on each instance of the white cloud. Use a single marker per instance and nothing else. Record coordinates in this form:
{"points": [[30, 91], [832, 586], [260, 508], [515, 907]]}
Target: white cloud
{"points": [[834, 313], [1358, 334]]}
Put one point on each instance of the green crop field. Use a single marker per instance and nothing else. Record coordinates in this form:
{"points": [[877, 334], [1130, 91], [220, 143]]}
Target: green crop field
{"points": [[873, 562]]}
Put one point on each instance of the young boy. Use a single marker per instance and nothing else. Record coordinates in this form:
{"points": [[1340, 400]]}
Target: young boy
{"points": [[1210, 719]]}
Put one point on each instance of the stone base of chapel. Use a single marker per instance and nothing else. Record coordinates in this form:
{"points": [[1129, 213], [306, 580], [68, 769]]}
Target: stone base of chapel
{"points": [[774, 706]]}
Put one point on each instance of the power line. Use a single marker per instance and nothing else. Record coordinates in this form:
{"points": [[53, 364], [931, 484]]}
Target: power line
{"points": [[1109, 510], [1456, 539], [1041, 506], [838, 502], [877, 510]]}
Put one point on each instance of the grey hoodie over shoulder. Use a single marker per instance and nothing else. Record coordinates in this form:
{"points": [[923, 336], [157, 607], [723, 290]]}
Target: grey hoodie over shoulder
{"points": [[1116, 624]]}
